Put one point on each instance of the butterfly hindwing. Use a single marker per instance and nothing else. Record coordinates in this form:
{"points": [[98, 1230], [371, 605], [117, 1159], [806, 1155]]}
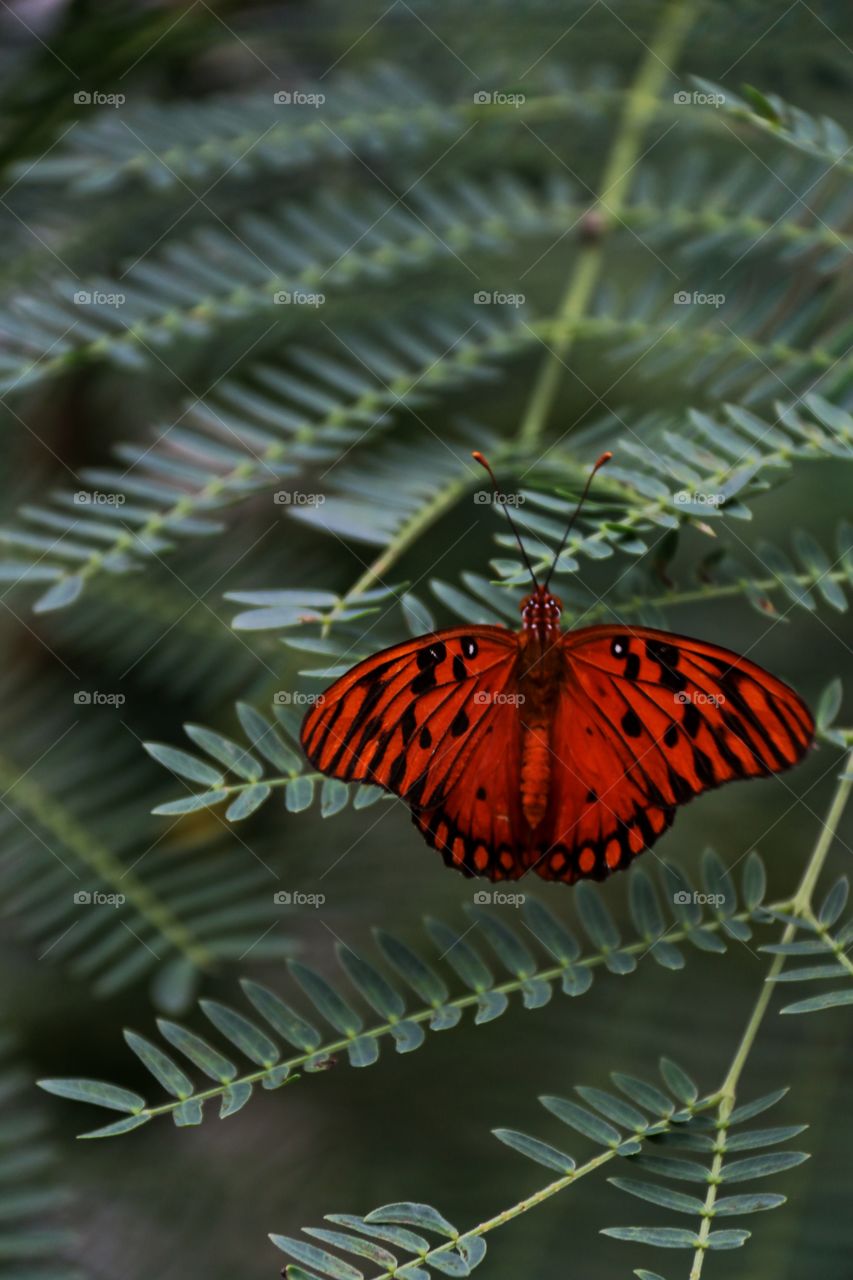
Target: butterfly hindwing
{"points": [[645, 721], [478, 828], [407, 718]]}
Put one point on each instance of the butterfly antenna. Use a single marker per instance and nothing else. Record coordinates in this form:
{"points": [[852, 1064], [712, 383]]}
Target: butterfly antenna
{"points": [[501, 496], [605, 458]]}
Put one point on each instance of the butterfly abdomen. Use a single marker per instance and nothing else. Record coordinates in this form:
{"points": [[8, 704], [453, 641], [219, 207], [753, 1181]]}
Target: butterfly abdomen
{"points": [[535, 772]]}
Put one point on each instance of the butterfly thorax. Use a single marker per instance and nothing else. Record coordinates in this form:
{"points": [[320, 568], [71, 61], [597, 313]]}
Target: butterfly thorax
{"points": [[540, 614]]}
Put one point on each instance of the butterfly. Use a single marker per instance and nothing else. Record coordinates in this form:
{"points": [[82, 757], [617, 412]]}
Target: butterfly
{"points": [[560, 752]]}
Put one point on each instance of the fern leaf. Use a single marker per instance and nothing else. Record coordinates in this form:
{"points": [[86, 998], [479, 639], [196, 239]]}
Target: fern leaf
{"points": [[279, 1039]]}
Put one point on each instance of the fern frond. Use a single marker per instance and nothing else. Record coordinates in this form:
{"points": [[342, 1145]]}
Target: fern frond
{"points": [[269, 1044], [301, 253], [822, 951], [239, 776], [31, 1245], [815, 135], [648, 1117], [281, 267], [813, 578], [384, 113], [246, 436], [92, 887], [706, 472], [698, 1154], [742, 349], [397, 1227], [170, 633]]}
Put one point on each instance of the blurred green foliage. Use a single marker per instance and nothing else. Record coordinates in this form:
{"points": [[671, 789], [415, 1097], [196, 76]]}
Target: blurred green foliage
{"points": [[157, 198]]}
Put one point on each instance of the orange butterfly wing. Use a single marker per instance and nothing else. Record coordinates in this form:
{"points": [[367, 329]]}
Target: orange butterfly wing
{"points": [[409, 718], [645, 720]]}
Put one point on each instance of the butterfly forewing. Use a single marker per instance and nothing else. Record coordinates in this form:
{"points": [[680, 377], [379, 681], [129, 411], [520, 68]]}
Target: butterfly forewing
{"points": [[408, 718]]}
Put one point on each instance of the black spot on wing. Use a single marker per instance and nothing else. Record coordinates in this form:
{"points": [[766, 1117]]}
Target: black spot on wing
{"points": [[425, 738], [424, 682], [408, 723], [663, 653], [397, 771], [704, 768], [459, 724], [670, 736], [459, 671], [691, 719], [631, 725], [469, 647], [632, 667], [432, 655]]}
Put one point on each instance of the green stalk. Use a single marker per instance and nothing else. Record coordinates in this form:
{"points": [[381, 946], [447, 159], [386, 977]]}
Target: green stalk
{"points": [[800, 906], [640, 106]]}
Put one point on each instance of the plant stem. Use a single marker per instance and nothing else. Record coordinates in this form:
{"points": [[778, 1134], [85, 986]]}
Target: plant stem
{"points": [[641, 104], [470, 1000], [69, 833], [801, 905]]}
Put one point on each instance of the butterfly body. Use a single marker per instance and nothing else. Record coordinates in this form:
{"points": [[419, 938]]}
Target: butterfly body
{"points": [[539, 669]]}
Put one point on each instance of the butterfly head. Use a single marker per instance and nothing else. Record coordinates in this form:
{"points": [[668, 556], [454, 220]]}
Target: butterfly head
{"points": [[540, 612]]}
